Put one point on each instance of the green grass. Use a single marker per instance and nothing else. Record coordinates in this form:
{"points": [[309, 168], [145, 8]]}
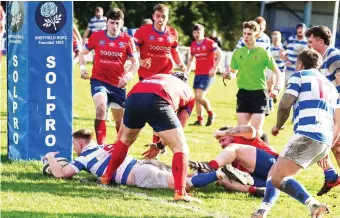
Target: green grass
{"points": [[25, 192]]}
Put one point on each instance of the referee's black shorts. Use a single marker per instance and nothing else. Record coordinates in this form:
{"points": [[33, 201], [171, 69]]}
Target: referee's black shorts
{"points": [[253, 102]]}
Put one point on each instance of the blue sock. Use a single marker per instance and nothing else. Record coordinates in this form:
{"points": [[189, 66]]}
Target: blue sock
{"points": [[295, 190], [271, 193], [330, 175], [203, 179]]}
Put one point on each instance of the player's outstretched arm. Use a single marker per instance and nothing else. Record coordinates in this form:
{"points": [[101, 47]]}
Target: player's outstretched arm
{"points": [[245, 131], [178, 60], [83, 72], [57, 170], [218, 53], [191, 59]]}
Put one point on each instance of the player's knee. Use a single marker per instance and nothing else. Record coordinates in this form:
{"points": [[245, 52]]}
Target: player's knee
{"points": [[276, 181], [100, 111], [336, 150], [199, 98]]}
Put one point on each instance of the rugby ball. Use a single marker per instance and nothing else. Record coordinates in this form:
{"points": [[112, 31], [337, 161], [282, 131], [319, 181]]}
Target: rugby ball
{"points": [[46, 167]]}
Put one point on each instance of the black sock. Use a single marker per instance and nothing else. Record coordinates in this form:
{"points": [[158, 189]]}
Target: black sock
{"points": [[264, 137]]}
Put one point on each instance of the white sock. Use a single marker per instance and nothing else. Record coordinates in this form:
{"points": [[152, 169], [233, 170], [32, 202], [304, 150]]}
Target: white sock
{"points": [[310, 202]]}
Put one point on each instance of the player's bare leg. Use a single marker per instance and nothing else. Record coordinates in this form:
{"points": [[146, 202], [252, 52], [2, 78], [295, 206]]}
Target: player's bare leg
{"points": [[244, 154], [200, 96], [117, 114], [243, 118], [121, 147], [100, 103], [199, 109], [176, 141]]}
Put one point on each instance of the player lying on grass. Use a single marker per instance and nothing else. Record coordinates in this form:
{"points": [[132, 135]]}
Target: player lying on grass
{"points": [[245, 150], [94, 159]]}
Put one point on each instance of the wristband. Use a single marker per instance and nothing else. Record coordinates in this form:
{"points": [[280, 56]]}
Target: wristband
{"points": [[276, 88], [82, 67], [160, 145]]}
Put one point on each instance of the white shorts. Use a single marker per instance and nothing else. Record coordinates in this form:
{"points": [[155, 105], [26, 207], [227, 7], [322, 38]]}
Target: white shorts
{"points": [[305, 151], [150, 174]]}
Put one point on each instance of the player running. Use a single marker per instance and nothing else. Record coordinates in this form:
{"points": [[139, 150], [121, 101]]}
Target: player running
{"points": [[319, 38], [158, 43], [315, 100], [208, 57], [109, 78]]}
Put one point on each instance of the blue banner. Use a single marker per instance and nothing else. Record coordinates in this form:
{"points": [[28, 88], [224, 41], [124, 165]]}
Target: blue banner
{"points": [[44, 87]]}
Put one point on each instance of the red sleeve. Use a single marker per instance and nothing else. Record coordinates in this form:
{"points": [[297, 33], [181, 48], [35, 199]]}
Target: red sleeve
{"points": [[138, 37], [131, 48], [91, 43], [190, 105]]}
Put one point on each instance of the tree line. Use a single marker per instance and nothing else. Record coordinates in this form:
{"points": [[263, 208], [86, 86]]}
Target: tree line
{"points": [[224, 17]]}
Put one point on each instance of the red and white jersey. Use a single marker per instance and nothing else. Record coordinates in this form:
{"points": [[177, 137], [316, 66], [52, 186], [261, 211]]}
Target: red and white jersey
{"points": [[204, 54], [110, 56], [173, 90], [157, 46]]}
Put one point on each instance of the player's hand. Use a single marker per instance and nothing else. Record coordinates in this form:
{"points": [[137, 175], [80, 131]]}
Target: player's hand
{"points": [[183, 68], [84, 74], [274, 93], [145, 63], [226, 75], [323, 163], [152, 152], [212, 72], [275, 131], [122, 83], [50, 154]]}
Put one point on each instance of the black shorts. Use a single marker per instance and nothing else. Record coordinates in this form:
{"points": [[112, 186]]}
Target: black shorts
{"points": [[148, 108], [253, 102]]}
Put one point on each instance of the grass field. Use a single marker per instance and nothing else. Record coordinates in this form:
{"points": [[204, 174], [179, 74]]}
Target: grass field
{"points": [[25, 192]]}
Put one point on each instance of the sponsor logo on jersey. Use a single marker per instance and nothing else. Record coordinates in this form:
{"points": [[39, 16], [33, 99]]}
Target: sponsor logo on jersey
{"points": [[160, 39], [111, 53], [111, 44], [159, 48]]}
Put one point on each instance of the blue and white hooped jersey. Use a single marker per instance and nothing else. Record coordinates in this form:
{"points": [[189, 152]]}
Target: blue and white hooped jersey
{"points": [[293, 47], [96, 24], [275, 52], [314, 107], [331, 65], [263, 41], [94, 159]]}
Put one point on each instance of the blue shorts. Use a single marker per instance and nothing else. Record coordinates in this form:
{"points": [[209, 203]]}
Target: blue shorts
{"points": [[203, 82], [114, 94], [264, 161], [141, 108]]}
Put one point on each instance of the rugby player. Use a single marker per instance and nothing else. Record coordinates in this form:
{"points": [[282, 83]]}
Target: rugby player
{"points": [[246, 151], [158, 43], [319, 38], [165, 103], [208, 56], [109, 78], [291, 48], [315, 102]]}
